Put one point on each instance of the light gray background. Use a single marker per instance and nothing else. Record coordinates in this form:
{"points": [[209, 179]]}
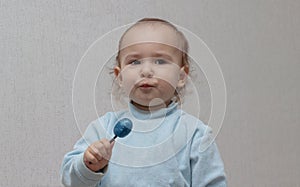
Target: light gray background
{"points": [[257, 43]]}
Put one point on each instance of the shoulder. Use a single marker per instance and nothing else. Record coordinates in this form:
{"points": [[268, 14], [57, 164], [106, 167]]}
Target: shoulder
{"points": [[193, 122], [200, 133]]}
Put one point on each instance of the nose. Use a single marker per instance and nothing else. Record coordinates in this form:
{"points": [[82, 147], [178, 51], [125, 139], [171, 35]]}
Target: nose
{"points": [[146, 70]]}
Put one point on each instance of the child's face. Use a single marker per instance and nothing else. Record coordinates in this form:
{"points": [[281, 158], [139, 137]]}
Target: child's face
{"points": [[150, 69]]}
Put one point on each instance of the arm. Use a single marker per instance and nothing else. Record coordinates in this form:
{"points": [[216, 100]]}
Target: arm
{"points": [[206, 163], [74, 170]]}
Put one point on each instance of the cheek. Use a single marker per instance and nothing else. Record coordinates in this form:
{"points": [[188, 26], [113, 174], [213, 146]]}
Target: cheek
{"points": [[128, 81], [170, 77]]}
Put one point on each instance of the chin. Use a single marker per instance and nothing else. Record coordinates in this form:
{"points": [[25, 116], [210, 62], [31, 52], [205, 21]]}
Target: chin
{"points": [[153, 102]]}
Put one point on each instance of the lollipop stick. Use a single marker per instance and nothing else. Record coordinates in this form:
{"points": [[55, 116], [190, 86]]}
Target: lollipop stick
{"points": [[113, 139]]}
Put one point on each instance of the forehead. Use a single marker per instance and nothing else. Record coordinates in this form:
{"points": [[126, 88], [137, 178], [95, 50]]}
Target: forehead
{"points": [[151, 33], [150, 49]]}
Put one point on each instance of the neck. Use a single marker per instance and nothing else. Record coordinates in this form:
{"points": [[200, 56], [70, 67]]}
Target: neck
{"points": [[151, 108]]}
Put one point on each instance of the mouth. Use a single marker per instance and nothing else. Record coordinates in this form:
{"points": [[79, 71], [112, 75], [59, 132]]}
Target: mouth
{"points": [[146, 86]]}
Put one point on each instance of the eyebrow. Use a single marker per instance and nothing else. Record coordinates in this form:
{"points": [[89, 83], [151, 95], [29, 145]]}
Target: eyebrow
{"points": [[164, 55], [156, 54]]}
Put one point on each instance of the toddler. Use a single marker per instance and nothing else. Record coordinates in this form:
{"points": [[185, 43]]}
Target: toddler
{"points": [[165, 145]]}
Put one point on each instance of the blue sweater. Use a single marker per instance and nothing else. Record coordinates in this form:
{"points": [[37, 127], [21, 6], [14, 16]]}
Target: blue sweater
{"points": [[167, 147]]}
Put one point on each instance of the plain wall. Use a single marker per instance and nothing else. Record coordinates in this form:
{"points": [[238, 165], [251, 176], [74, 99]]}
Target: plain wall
{"points": [[256, 43]]}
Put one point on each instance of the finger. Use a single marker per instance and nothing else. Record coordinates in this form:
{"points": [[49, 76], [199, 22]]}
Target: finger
{"points": [[95, 151], [103, 150], [90, 158], [107, 145], [112, 145]]}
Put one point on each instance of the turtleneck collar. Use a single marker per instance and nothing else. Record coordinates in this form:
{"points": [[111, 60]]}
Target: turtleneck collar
{"points": [[143, 115]]}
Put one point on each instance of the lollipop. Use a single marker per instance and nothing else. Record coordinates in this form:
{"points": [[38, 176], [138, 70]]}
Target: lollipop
{"points": [[122, 128]]}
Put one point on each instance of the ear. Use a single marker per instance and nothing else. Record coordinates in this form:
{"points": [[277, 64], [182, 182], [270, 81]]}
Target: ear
{"points": [[183, 73], [117, 72]]}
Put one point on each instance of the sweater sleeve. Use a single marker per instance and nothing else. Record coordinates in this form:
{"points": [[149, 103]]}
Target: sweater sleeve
{"points": [[206, 163], [73, 169]]}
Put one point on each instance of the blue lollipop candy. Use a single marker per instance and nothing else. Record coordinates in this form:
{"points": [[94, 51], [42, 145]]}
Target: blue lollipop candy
{"points": [[122, 128]]}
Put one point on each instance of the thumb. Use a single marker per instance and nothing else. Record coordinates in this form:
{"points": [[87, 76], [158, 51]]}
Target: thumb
{"points": [[112, 144]]}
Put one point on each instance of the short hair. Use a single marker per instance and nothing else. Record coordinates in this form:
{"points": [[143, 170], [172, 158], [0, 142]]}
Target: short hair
{"points": [[184, 48]]}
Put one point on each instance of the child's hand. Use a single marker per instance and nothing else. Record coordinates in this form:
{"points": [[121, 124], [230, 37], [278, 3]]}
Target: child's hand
{"points": [[97, 155]]}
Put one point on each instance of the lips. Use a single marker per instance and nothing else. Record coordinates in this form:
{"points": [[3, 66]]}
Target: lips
{"points": [[146, 84]]}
